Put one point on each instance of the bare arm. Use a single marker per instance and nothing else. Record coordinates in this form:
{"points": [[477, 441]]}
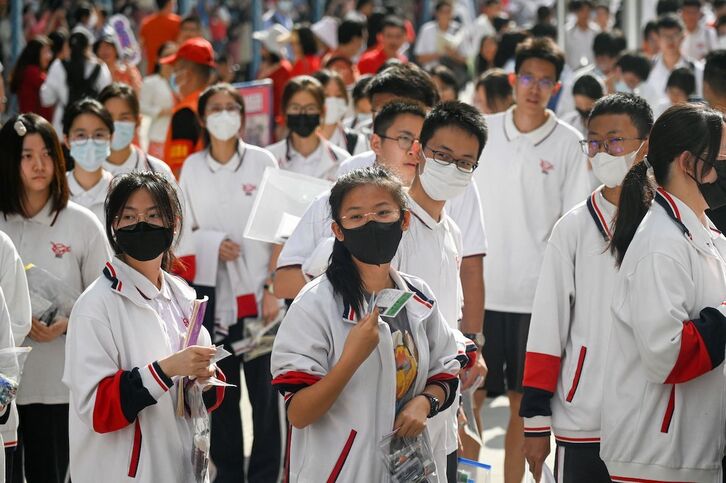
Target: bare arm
{"points": [[289, 281], [472, 282]]}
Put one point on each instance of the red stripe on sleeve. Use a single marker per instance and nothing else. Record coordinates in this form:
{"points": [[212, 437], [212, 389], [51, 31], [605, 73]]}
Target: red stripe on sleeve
{"points": [[443, 376], [296, 377], [693, 358], [107, 413], [186, 267], [541, 371], [219, 390]]}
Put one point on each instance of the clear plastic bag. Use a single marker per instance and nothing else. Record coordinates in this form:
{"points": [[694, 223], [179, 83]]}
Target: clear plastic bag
{"points": [[258, 338], [12, 361], [50, 297], [408, 460], [470, 471], [547, 476]]}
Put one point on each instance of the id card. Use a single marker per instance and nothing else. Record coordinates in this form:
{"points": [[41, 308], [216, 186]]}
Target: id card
{"points": [[391, 301]]}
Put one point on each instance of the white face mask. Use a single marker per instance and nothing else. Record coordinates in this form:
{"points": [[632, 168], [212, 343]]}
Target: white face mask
{"points": [[335, 109], [611, 170], [90, 154], [443, 182], [224, 125], [621, 86]]}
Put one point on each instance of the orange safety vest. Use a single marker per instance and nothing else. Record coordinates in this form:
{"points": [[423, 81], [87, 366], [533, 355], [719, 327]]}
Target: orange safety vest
{"points": [[178, 150]]}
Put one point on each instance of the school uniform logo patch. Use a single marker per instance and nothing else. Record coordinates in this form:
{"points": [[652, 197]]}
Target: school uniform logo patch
{"points": [[546, 166], [249, 189], [59, 249]]}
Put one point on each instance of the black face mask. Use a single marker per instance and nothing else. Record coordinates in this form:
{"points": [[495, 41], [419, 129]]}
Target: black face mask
{"points": [[144, 242], [374, 243], [584, 114], [303, 124], [714, 193]]}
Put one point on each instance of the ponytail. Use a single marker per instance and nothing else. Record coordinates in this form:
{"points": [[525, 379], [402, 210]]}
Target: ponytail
{"points": [[345, 278], [76, 65], [635, 199]]}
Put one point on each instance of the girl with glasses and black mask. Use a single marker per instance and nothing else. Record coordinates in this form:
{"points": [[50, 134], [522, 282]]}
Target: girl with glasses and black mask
{"points": [[124, 352], [663, 411], [348, 375], [64, 239], [304, 150], [220, 186]]}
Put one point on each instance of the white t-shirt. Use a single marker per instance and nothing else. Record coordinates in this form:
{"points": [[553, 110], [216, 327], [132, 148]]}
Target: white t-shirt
{"points": [[94, 198], [73, 247], [527, 181], [321, 163], [340, 139], [579, 45], [431, 40], [156, 96], [698, 43], [659, 74], [140, 161]]}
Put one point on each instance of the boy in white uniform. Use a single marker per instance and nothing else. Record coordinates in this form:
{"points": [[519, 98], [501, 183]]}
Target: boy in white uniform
{"points": [[565, 364], [531, 172]]}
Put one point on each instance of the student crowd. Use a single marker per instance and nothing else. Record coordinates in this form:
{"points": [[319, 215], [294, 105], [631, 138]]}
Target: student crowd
{"points": [[586, 186]]}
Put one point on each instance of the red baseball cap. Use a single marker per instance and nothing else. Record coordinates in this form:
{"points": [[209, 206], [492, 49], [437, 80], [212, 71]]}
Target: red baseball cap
{"points": [[197, 50]]}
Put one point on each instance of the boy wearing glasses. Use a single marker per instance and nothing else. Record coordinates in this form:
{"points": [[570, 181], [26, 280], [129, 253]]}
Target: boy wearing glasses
{"points": [[530, 173], [566, 351]]}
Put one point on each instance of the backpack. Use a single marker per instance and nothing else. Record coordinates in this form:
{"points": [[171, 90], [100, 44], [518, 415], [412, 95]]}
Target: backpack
{"points": [[87, 88]]}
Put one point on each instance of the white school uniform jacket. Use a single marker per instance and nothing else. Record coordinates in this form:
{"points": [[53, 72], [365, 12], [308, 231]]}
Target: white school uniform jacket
{"points": [[659, 73], [14, 286], [94, 198], [122, 420], [664, 398], [7, 367], [321, 163], [527, 181], [565, 363], [340, 139], [70, 244], [343, 444], [219, 200], [140, 161]]}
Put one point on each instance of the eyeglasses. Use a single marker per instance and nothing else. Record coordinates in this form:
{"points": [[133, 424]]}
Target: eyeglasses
{"points": [[233, 108], [443, 158], [529, 81], [83, 138], [357, 220], [614, 146], [404, 142], [152, 217], [298, 109]]}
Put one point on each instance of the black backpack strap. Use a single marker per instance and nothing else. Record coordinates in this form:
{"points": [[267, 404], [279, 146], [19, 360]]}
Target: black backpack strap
{"points": [[91, 80], [351, 140]]}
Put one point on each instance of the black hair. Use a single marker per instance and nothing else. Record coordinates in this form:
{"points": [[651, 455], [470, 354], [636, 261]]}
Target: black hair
{"points": [[160, 4], [30, 56], [669, 21], [507, 47], [390, 112], [543, 13], [714, 73], [482, 64], [495, 83], [441, 4], [83, 11], [86, 106], [446, 76], [392, 21], [306, 37], [325, 76], [192, 18], [544, 30], [692, 3], [588, 86], [76, 73], [636, 63], [159, 52], [635, 107], [455, 114], [610, 44], [349, 30], [407, 81], [684, 127], [58, 40], [682, 78], [360, 88], [577, 5], [499, 23], [720, 22], [342, 271], [12, 192], [664, 7], [303, 83], [543, 49], [362, 3], [123, 92], [650, 27], [165, 199], [374, 26]]}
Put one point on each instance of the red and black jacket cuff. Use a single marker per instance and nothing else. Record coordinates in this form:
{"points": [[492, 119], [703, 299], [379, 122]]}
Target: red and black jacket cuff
{"points": [[702, 346]]}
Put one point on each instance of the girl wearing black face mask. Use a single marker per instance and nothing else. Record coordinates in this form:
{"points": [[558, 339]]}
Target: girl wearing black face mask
{"points": [[304, 150], [124, 357], [346, 373], [663, 400], [65, 239]]}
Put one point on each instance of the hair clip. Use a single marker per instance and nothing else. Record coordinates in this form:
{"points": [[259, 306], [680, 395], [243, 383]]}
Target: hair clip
{"points": [[20, 128]]}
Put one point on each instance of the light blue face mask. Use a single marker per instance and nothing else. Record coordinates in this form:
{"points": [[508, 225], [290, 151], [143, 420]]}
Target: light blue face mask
{"points": [[621, 86], [173, 83], [123, 134], [90, 154]]}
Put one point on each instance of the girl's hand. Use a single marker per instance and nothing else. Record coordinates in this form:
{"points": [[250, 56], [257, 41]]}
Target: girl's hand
{"points": [[40, 332], [411, 421], [270, 307], [362, 339], [193, 361], [229, 251]]}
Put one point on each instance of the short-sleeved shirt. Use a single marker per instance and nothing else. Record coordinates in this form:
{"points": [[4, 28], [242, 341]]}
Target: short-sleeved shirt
{"points": [[155, 30]]}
